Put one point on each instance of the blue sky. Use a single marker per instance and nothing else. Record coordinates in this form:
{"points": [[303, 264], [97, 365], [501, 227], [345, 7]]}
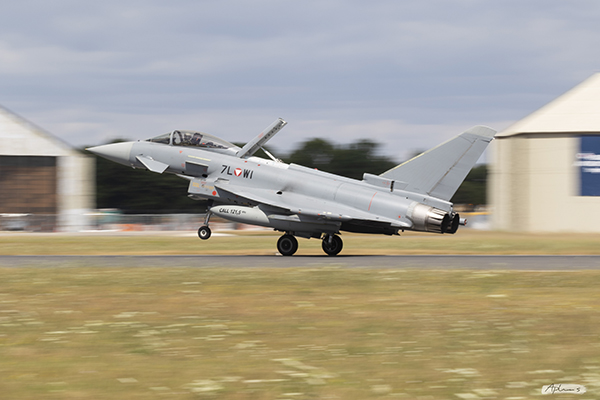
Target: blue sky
{"points": [[406, 74]]}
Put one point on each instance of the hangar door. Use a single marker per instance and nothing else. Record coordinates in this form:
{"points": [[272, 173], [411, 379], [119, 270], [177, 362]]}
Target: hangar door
{"points": [[28, 185]]}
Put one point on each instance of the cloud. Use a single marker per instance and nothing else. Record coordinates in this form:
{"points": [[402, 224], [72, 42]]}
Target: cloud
{"points": [[415, 70]]}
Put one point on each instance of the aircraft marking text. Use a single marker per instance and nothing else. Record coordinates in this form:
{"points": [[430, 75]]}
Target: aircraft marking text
{"points": [[244, 173], [232, 211]]}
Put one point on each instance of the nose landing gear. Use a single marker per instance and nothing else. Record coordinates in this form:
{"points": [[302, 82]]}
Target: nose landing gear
{"points": [[204, 231]]}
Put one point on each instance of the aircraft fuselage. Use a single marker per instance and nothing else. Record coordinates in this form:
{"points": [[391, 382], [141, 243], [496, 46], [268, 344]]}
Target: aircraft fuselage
{"points": [[305, 202], [319, 190]]}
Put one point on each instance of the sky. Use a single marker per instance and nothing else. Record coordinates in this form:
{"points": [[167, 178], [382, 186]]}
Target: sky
{"points": [[406, 74]]}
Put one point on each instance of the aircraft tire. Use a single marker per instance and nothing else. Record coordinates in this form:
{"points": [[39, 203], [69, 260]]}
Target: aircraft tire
{"points": [[204, 232], [335, 247], [287, 245]]}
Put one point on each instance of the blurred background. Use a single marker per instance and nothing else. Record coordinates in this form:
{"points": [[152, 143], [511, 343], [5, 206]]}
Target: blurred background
{"points": [[49, 186]]}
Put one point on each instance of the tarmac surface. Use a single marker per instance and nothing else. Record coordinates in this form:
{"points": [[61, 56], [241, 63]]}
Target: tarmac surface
{"points": [[456, 262]]}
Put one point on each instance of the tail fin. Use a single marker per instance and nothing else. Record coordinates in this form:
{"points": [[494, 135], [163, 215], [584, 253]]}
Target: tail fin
{"points": [[440, 171]]}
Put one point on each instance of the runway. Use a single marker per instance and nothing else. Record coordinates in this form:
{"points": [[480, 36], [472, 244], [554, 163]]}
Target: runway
{"points": [[450, 262]]}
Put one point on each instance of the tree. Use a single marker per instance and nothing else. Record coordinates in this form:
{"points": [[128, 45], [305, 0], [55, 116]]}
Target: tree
{"points": [[474, 189], [347, 160]]}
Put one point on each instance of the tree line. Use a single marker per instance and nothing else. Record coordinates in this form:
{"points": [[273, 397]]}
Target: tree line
{"points": [[140, 191]]}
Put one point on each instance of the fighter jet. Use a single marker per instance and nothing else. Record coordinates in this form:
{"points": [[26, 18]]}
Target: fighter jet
{"points": [[304, 202]]}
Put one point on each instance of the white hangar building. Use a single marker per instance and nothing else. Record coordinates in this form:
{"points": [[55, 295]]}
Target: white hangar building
{"points": [[45, 184], [545, 171]]}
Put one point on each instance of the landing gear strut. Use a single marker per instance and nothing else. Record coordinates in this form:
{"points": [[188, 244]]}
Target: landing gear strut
{"points": [[287, 245], [332, 244], [204, 231]]}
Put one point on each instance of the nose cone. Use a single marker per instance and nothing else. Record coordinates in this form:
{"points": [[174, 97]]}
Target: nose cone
{"points": [[117, 152]]}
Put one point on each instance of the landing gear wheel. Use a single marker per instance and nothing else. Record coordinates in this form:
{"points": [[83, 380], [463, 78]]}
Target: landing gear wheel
{"points": [[204, 232], [332, 245], [287, 245]]}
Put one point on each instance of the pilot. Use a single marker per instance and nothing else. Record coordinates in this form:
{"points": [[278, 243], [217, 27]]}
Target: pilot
{"points": [[196, 139], [177, 138]]}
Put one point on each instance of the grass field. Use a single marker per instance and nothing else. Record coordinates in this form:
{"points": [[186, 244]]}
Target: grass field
{"points": [[464, 242], [296, 333], [318, 333]]}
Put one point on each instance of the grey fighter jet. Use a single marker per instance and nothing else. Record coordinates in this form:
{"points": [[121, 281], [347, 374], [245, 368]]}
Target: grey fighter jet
{"points": [[304, 202]]}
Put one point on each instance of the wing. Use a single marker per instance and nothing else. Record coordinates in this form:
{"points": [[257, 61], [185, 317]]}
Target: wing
{"points": [[286, 204]]}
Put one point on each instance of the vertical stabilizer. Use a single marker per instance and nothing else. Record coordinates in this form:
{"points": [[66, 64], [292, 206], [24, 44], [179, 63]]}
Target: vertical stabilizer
{"points": [[440, 171]]}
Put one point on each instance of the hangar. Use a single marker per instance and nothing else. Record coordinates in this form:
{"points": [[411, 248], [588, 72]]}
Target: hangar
{"points": [[545, 170], [45, 184]]}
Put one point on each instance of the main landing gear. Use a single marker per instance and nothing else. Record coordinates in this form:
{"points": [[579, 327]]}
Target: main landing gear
{"points": [[332, 245], [287, 245]]}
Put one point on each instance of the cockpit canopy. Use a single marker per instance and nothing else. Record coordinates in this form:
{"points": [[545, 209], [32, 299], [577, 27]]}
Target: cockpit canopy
{"points": [[195, 139]]}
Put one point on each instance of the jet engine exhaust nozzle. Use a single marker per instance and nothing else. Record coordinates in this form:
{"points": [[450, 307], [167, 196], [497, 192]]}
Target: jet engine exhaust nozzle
{"points": [[430, 219]]}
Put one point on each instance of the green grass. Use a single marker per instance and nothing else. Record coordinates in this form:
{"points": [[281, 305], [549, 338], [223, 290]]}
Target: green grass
{"points": [[291, 333], [464, 242]]}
